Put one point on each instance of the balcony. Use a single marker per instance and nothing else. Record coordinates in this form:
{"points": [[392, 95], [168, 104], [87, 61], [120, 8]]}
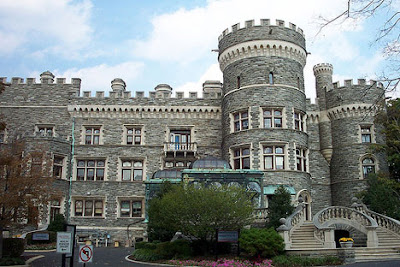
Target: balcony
{"points": [[178, 149]]}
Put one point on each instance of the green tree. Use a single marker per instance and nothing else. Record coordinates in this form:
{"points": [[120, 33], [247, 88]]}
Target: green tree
{"points": [[390, 119], [198, 212], [279, 207], [382, 196]]}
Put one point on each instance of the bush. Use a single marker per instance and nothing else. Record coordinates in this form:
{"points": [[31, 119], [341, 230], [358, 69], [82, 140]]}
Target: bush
{"points": [[57, 225], [13, 247], [144, 254], [11, 261], [294, 261], [264, 243], [179, 249], [146, 245], [52, 238]]}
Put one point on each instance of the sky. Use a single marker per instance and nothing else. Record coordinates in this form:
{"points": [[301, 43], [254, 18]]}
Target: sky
{"points": [[153, 42]]}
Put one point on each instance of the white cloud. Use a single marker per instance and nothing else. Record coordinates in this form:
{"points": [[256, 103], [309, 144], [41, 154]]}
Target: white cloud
{"points": [[212, 73], [45, 25], [97, 78]]}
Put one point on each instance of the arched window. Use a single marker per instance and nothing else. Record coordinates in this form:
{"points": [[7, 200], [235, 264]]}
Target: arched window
{"points": [[271, 78], [368, 166]]}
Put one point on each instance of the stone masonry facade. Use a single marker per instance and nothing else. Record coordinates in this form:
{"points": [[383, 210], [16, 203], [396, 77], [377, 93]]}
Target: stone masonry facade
{"points": [[108, 146]]}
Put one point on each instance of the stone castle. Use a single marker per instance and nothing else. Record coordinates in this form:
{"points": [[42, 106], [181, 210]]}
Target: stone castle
{"points": [[109, 148]]}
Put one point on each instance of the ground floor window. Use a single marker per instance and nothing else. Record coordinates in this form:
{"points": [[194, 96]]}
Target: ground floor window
{"points": [[89, 207], [368, 166], [131, 208]]}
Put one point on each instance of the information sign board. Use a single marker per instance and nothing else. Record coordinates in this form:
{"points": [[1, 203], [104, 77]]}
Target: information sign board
{"points": [[85, 253], [228, 236], [40, 236], [64, 242]]}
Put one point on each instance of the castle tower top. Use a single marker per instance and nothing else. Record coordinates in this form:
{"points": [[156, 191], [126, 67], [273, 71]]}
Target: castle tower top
{"points": [[118, 85], [262, 40], [323, 68], [212, 86], [163, 91], [47, 77]]}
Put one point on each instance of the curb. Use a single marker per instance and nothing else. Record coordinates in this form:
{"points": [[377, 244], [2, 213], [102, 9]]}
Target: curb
{"points": [[147, 263]]}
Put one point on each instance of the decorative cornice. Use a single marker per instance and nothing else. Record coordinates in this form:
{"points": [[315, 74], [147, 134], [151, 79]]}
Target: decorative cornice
{"points": [[128, 111], [355, 110], [262, 48]]}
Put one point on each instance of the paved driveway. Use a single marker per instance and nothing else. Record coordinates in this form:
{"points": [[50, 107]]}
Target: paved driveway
{"points": [[107, 257]]}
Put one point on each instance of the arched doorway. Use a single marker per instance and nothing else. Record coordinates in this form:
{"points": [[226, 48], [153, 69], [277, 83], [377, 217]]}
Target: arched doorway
{"points": [[305, 197]]}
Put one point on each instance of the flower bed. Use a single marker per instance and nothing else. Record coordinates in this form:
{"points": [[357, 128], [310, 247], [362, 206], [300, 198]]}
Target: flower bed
{"points": [[221, 263]]}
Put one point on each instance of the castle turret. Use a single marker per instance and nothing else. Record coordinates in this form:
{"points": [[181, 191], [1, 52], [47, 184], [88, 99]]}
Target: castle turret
{"points": [[47, 77], [163, 91], [118, 85], [264, 103], [323, 84]]}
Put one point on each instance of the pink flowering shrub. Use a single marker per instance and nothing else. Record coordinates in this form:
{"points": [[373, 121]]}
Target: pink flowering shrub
{"points": [[221, 263]]}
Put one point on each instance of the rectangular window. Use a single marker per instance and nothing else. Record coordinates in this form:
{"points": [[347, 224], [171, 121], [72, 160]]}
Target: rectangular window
{"points": [[2, 136], [366, 134], [272, 118], [58, 166], [89, 208], [132, 170], [180, 140], [298, 121], [130, 208], [133, 135], [241, 158], [92, 135], [177, 163], [55, 208], [301, 159], [274, 157], [240, 121], [90, 170], [45, 131]]}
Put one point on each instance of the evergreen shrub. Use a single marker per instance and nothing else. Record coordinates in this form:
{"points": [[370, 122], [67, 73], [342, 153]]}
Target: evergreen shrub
{"points": [[13, 247], [261, 242]]}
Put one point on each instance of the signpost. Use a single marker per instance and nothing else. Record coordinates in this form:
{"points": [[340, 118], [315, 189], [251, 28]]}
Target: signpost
{"points": [[85, 254], [64, 242], [229, 237]]}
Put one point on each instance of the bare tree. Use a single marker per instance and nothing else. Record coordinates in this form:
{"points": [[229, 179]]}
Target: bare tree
{"points": [[25, 185], [388, 35]]}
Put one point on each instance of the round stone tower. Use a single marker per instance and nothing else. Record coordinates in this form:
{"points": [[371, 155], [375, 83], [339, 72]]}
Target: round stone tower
{"points": [[264, 103]]}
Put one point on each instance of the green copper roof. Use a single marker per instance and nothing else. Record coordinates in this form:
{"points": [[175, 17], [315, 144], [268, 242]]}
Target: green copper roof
{"points": [[270, 189]]}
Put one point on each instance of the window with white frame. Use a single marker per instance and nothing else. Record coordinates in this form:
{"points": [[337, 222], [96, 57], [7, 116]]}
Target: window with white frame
{"points": [[366, 133], [133, 135], [132, 170], [241, 158], [301, 159], [58, 167], [240, 121], [273, 117], [90, 169], [174, 163], [274, 157], [55, 209], [44, 130], [2, 136], [88, 207], [368, 166], [298, 121], [130, 208], [92, 135]]}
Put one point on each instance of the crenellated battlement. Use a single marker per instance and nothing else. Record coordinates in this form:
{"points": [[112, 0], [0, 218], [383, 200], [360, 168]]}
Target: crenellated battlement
{"points": [[29, 81], [151, 95], [360, 82], [323, 68], [263, 23]]}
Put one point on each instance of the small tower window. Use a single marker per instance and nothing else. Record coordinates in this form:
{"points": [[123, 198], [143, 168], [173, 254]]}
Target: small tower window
{"points": [[298, 82], [271, 78], [238, 81]]}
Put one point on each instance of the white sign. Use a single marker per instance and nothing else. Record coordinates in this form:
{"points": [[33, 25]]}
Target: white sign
{"points": [[86, 253], [64, 242]]}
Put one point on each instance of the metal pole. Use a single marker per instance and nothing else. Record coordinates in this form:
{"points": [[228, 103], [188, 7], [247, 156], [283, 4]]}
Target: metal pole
{"points": [[71, 170]]}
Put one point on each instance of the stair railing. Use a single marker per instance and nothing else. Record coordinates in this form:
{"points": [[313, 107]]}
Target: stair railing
{"points": [[329, 216], [289, 223], [382, 220]]}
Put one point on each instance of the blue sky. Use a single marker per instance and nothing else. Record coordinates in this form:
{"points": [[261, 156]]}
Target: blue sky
{"points": [[152, 42]]}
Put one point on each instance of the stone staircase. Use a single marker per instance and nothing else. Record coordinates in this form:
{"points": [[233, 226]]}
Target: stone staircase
{"points": [[387, 238], [303, 238], [376, 254]]}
